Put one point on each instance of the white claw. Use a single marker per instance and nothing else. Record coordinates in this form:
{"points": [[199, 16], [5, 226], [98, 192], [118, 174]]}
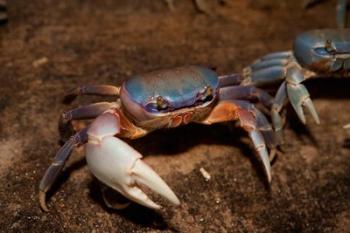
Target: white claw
{"points": [[119, 166], [145, 175]]}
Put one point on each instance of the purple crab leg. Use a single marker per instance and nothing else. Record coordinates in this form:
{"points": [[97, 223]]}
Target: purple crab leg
{"points": [[101, 90], [246, 93], [86, 112], [267, 70], [57, 165], [269, 75], [229, 80], [262, 135], [262, 123]]}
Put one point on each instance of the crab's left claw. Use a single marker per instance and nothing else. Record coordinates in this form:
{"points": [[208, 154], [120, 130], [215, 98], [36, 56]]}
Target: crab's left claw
{"points": [[298, 95], [119, 166]]}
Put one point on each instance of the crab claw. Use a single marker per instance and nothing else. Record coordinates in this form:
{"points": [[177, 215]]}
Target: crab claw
{"points": [[120, 167], [299, 96]]}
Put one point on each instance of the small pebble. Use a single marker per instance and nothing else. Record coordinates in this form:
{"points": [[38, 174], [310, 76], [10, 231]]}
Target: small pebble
{"points": [[205, 174], [39, 62]]}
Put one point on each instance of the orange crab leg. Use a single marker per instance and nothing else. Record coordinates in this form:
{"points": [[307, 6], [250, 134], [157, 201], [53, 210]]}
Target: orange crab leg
{"points": [[229, 110]]}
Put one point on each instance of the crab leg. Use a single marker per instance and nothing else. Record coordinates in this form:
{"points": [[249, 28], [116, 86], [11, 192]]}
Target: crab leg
{"points": [[251, 92], [56, 166], [101, 90], [229, 110], [271, 62], [277, 55], [86, 112], [229, 80], [246, 93], [119, 166], [262, 124], [291, 88], [117, 204], [264, 76], [279, 102]]}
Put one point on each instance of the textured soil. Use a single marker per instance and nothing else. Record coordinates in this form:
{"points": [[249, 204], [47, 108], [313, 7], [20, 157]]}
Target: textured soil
{"points": [[49, 47]]}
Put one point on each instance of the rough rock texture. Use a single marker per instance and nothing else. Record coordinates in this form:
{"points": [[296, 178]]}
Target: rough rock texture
{"points": [[49, 47]]}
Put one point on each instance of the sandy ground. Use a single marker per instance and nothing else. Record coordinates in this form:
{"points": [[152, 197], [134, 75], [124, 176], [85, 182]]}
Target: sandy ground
{"points": [[49, 47]]}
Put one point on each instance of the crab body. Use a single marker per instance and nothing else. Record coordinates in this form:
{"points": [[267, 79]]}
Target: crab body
{"points": [[160, 99], [169, 98]]}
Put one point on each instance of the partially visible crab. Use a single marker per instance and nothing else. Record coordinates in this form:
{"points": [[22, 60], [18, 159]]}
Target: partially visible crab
{"points": [[200, 5], [161, 99], [315, 54]]}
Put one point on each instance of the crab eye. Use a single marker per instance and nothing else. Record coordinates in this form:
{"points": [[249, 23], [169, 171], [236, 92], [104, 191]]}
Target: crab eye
{"points": [[327, 50], [206, 94], [162, 104], [330, 47], [158, 104]]}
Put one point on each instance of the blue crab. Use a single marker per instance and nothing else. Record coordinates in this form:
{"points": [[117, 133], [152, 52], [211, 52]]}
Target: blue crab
{"points": [[160, 99], [315, 54]]}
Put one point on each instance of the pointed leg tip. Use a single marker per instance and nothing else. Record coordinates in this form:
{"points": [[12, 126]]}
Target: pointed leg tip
{"points": [[311, 108], [272, 155], [117, 206], [268, 175], [42, 201]]}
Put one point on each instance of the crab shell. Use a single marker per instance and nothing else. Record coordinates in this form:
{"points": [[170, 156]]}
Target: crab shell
{"points": [[189, 93]]}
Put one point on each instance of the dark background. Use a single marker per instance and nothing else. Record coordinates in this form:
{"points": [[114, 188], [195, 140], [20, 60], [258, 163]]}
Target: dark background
{"points": [[49, 47]]}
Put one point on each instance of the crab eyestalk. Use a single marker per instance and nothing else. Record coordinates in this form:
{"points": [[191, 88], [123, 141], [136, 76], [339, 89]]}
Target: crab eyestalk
{"points": [[161, 103]]}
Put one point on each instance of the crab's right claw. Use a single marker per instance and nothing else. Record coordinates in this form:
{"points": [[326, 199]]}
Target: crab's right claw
{"points": [[120, 167]]}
